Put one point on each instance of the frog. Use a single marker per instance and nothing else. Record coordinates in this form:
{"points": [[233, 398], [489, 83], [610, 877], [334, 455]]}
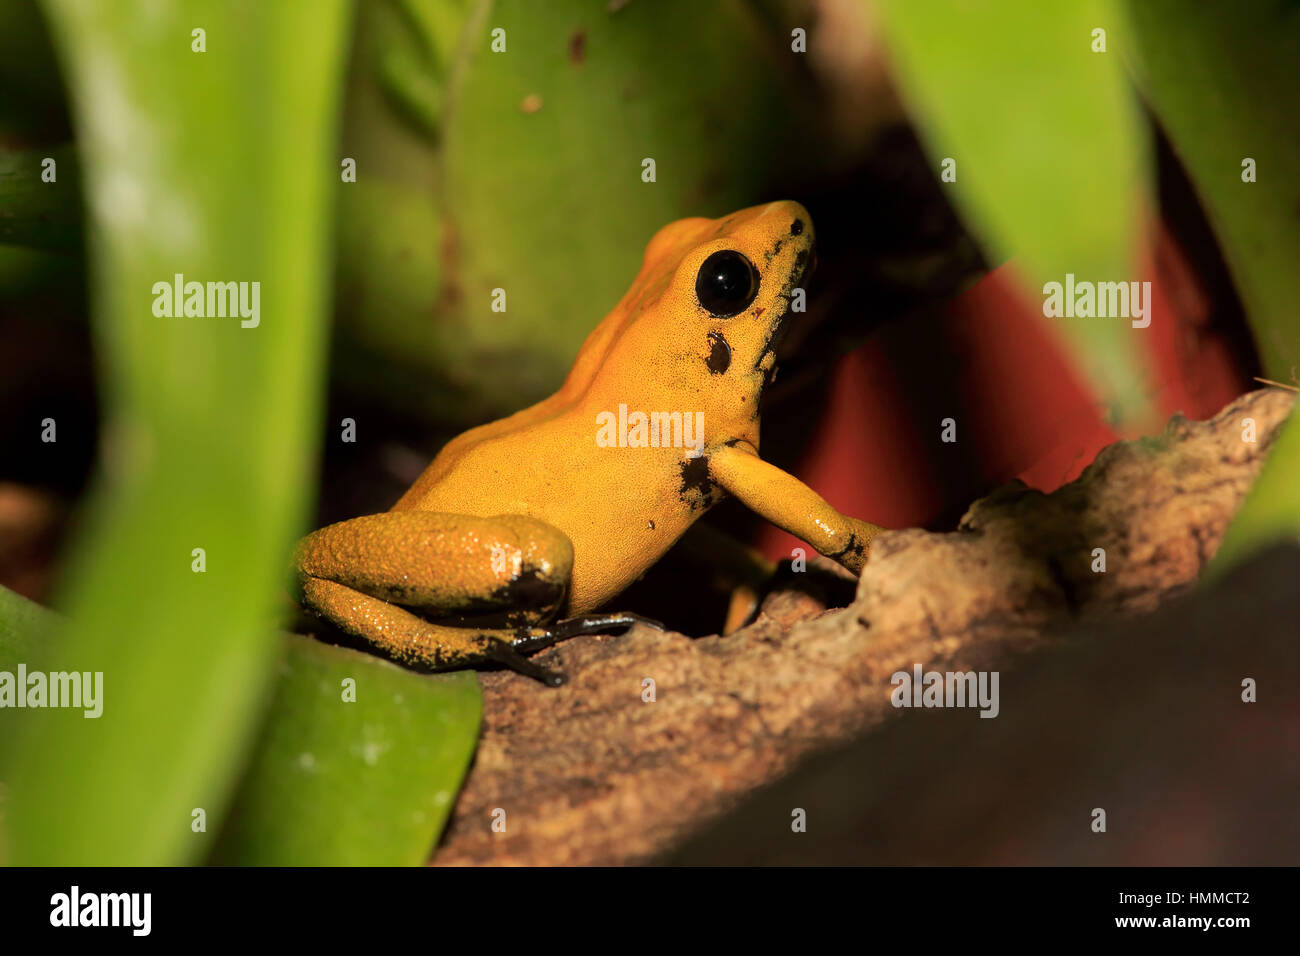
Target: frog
{"points": [[521, 530]]}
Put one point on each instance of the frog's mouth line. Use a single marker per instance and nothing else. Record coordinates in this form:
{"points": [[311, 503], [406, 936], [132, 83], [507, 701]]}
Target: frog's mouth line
{"points": [[804, 264]]}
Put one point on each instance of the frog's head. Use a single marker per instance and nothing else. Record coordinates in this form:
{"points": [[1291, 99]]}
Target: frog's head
{"points": [[735, 280], [698, 329], [706, 311]]}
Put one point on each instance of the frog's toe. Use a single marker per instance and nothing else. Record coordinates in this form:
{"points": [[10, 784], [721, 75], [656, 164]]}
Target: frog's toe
{"points": [[500, 652], [650, 622], [599, 623], [530, 640]]}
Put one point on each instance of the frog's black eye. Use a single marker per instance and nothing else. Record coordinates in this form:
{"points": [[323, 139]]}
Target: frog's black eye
{"points": [[727, 283]]}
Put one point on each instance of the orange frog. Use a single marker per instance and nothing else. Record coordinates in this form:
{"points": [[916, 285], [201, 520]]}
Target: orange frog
{"points": [[556, 509]]}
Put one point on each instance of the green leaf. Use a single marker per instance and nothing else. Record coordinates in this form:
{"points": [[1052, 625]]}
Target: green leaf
{"points": [[1221, 78], [24, 626], [368, 782], [533, 181], [38, 214], [1050, 153], [221, 166], [32, 108], [1221, 81], [365, 781]]}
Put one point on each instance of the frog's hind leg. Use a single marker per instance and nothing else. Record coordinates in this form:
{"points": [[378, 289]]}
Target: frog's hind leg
{"points": [[416, 584], [413, 640], [509, 569]]}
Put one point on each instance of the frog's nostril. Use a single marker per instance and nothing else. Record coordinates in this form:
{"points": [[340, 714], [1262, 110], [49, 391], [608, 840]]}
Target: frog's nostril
{"points": [[796, 227]]}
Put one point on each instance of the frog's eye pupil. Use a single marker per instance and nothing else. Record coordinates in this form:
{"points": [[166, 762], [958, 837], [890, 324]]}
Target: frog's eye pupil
{"points": [[727, 283]]}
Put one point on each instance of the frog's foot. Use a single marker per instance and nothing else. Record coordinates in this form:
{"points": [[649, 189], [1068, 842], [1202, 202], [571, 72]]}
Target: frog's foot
{"points": [[533, 639], [506, 655], [411, 639]]}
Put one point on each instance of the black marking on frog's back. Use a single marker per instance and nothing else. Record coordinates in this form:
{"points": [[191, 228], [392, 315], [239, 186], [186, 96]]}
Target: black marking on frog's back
{"points": [[719, 359], [698, 491]]}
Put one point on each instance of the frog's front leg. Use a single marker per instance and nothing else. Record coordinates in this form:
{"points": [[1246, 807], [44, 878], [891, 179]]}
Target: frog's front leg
{"points": [[791, 505], [365, 573]]}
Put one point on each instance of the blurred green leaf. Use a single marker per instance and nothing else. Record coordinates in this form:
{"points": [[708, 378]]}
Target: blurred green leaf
{"points": [[1221, 80], [1049, 148], [23, 271], [369, 782], [32, 107], [414, 44], [24, 625], [532, 182], [221, 166], [36, 214]]}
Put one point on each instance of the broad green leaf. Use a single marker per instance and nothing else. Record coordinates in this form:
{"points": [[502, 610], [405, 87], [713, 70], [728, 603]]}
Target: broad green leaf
{"points": [[524, 173], [1049, 149], [367, 781], [1221, 79], [220, 166]]}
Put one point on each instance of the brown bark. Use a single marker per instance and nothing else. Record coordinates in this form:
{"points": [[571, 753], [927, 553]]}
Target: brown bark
{"points": [[593, 774]]}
